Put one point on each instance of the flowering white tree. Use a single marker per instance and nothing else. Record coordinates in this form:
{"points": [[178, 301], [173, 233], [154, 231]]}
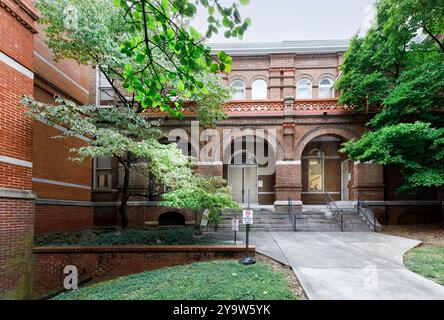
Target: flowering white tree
{"points": [[153, 59]]}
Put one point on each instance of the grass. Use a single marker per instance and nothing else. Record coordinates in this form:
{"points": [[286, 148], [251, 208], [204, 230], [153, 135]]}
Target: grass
{"points": [[150, 236], [221, 280], [427, 261]]}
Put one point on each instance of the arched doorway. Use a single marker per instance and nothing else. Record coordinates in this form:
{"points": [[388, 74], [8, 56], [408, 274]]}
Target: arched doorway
{"points": [[325, 169], [250, 170], [171, 219]]}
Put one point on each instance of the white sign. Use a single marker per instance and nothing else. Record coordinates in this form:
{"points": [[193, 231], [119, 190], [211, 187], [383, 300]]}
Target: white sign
{"points": [[247, 216], [235, 225]]}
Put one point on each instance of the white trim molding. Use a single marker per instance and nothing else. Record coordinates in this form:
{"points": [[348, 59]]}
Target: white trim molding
{"points": [[61, 183], [17, 194], [15, 161], [16, 66]]}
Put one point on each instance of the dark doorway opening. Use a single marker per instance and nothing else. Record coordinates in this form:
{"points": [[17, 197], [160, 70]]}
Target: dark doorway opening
{"points": [[171, 219]]}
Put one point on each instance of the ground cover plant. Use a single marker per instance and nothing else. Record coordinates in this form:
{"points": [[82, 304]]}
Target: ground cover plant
{"points": [[150, 236], [221, 280]]}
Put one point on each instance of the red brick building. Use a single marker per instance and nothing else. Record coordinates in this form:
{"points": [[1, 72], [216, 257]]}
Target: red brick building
{"points": [[34, 166], [283, 98]]}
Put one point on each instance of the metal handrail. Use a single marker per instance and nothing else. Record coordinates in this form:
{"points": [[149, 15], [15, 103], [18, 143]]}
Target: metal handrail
{"points": [[292, 214], [335, 210], [361, 207]]}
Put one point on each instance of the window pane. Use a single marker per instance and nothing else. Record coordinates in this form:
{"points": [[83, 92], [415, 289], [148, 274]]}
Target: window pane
{"points": [[315, 175], [303, 89], [259, 90], [238, 90], [103, 163], [316, 171], [326, 88], [325, 92]]}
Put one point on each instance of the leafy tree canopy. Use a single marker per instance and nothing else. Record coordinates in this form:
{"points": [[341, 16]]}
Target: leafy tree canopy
{"points": [[148, 47], [398, 68], [153, 58]]}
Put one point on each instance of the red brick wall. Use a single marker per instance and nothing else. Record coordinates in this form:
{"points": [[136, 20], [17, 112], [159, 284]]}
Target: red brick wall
{"points": [[102, 263], [15, 126], [51, 161], [57, 218], [16, 237], [16, 40], [16, 215], [138, 216]]}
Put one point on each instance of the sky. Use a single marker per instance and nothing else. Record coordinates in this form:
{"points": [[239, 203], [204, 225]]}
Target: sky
{"points": [[286, 20]]}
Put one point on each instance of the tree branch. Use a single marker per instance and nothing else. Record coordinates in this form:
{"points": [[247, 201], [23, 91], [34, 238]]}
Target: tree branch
{"points": [[440, 44]]}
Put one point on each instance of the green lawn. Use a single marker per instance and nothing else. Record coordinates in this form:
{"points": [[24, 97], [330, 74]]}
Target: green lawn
{"points": [[428, 262], [149, 236], [221, 280]]}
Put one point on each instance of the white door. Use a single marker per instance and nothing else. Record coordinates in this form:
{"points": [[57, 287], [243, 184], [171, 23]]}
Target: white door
{"points": [[250, 184], [242, 179], [235, 181], [345, 178]]}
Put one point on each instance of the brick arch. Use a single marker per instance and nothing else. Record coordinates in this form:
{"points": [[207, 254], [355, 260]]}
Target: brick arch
{"points": [[155, 214], [346, 134], [242, 133]]}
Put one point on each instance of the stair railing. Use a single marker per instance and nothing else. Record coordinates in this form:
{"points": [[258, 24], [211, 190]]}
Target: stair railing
{"points": [[334, 209], [366, 212], [292, 214]]}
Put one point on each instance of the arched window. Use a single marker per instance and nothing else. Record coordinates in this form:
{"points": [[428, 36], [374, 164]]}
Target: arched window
{"points": [[238, 87], [259, 90], [304, 89], [326, 88], [316, 171]]}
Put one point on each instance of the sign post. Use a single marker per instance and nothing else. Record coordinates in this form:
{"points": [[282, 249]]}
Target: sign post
{"points": [[235, 228], [247, 219]]}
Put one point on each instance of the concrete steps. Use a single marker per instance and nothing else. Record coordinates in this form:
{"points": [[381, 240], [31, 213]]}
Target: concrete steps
{"points": [[312, 219]]}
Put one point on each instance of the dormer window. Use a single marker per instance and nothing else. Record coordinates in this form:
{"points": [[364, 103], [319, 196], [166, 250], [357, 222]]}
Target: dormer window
{"points": [[326, 88], [238, 87], [304, 89]]}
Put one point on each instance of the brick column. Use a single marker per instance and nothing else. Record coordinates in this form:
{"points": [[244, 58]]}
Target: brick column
{"points": [[368, 182], [288, 172], [16, 198]]}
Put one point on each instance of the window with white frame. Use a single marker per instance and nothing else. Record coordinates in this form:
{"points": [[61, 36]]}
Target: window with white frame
{"points": [[304, 89], [238, 87], [259, 90], [316, 171], [105, 94], [103, 173], [326, 88]]}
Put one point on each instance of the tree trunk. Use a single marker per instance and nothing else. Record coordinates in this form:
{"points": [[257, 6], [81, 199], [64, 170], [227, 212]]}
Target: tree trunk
{"points": [[125, 196]]}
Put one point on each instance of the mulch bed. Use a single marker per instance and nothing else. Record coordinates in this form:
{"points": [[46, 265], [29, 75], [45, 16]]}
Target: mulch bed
{"points": [[429, 234], [287, 272]]}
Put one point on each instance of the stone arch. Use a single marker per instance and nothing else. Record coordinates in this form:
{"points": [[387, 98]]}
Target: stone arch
{"points": [[344, 133]]}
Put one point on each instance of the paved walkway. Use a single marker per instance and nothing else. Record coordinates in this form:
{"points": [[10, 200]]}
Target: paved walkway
{"points": [[351, 266]]}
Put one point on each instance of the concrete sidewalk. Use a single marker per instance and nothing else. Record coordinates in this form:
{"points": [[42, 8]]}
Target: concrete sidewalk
{"points": [[348, 266]]}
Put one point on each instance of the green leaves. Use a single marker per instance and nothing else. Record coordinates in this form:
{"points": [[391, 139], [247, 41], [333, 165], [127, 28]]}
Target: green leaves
{"points": [[389, 69]]}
